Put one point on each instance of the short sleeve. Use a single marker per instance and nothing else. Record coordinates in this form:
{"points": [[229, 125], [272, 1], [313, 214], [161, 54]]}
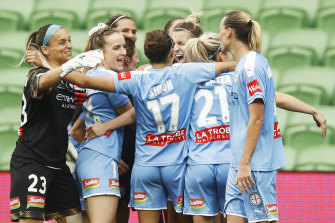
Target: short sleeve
{"points": [[117, 100], [254, 76], [34, 77], [126, 82]]}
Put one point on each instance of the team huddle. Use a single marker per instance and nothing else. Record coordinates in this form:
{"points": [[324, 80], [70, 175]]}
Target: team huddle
{"points": [[207, 142]]}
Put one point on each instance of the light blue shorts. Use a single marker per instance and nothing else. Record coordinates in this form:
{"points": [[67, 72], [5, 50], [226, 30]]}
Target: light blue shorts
{"points": [[260, 204], [152, 185], [205, 187], [97, 173]]}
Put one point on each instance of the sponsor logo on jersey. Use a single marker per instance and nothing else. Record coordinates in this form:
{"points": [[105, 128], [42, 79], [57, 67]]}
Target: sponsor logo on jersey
{"points": [[255, 199], [35, 201], [167, 138], [197, 203], [159, 89], [20, 132], [114, 184], [217, 133], [271, 209], [179, 201], [14, 203], [91, 183], [66, 98], [124, 76], [253, 87], [140, 197], [277, 133]]}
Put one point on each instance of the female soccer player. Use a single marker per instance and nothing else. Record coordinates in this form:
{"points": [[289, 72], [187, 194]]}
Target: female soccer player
{"points": [[124, 24], [42, 187], [184, 31], [161, 98], [209, 147], [97, 160], [255, 135]]}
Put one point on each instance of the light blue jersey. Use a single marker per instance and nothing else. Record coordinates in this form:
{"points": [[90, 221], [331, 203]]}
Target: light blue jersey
{"points": [[163, 100], [100, 107], [252, 80], [209, 132]]}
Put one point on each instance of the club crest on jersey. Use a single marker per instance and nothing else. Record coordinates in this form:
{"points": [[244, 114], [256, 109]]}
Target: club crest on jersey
{"points": [[114, 184], [255, 199], [253, 87], [35, 201], [124, 75], [271, 209], [14, 203], [91, 183], [179, 201], [197, 203], [140, 197]]}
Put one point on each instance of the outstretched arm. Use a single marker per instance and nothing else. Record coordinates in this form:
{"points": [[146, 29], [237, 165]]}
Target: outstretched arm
{"points": [[221, 67], [291, 103]]}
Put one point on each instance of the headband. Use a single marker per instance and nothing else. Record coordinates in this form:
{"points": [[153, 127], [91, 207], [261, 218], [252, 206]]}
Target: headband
{"points": [[217, 50], [100, 25], [51, 30], [182, 29], [121, 17]]}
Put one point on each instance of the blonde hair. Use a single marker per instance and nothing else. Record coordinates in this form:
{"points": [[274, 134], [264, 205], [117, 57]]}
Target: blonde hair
{"points": [[246, 29], [203, 48]]}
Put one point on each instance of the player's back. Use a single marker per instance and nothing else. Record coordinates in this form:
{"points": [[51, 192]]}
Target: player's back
{"points": [[163, 101], [210, 122]]}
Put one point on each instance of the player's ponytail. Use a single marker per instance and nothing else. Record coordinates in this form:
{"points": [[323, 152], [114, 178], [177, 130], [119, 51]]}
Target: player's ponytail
{"points": [[246, 29]]}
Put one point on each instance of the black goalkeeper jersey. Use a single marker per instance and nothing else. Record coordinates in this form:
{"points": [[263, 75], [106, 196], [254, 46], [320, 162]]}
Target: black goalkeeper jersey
{"points": [[44, 119]]}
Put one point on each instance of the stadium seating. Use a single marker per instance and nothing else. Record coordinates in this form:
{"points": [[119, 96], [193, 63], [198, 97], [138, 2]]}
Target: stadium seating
{"points": [[314, 85], [287, 14], [329, 54], [14, 14], [140, 47], [215, 10], [326, 16], [101, 10], [79, 39], [8, 138], [158, 13], [328, 111], [69, 14], [316, 158], [291, 156], [10, 95], [304, 135], [12, 47], [295, 48]]}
